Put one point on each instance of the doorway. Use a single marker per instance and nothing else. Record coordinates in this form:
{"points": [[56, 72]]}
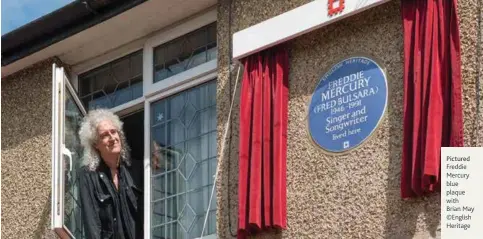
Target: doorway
{"points": [[134, 130]]}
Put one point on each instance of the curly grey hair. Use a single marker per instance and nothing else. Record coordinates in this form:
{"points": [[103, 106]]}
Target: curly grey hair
{"points": [[88, 137]]}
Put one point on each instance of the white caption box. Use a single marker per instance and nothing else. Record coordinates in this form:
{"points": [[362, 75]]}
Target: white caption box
{"points": [[461, 193]]}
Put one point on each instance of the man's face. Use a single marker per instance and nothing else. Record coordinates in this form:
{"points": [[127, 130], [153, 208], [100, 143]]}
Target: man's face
{"points": [[108, 141]]}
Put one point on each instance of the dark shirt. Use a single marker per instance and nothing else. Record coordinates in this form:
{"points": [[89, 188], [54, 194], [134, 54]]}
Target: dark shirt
{"points": [[108, 212]]}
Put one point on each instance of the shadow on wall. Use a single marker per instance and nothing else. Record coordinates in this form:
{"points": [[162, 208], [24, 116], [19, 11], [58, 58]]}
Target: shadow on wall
{"points": [[228, 177], [403, 219], [44, 228], [425, 209], [417, 218]]}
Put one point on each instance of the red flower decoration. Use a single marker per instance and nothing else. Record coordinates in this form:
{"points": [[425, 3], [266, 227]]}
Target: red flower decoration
{"points": [[336, 10]]}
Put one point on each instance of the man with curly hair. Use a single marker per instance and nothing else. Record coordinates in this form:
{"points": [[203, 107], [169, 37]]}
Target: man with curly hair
{"points": [[108, 194]]}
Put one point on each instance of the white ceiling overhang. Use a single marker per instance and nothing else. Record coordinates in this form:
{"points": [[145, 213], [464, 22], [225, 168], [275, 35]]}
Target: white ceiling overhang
{"points": [[120, 30]]}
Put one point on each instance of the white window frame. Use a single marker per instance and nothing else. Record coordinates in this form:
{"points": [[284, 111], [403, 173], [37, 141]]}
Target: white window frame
{"points": [[125, 108], [150, 88], [156, 91], [147, 44], [169, 86], [147, 137], [60, 84]]}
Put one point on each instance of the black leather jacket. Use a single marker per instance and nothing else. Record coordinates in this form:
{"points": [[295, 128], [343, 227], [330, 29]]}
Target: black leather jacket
{"points": [[107, 212]]}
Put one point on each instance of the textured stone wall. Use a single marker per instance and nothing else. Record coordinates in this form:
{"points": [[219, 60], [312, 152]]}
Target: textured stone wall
{"points": [[469, 29], [26, 152], [478, 39], [353, 196], [356, 195]]}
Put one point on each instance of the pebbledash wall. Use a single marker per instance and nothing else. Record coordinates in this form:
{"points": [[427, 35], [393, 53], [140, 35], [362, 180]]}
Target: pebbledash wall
{"points": [[356, 195], [26, 154], [353, 196]]}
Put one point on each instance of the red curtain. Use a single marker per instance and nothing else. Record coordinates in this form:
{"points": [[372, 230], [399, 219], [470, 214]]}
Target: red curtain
{"points": [[432, 92], [263, 142]]}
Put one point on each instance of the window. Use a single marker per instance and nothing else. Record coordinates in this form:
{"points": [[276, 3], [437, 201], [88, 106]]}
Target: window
{"points": [[66, 152], [183, 135], [114, 83], [169, 87], [186, 52]]}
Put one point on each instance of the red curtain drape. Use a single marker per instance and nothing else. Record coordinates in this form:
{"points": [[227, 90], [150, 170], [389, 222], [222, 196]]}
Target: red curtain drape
{"points": [[263, 142], [432, 92]]}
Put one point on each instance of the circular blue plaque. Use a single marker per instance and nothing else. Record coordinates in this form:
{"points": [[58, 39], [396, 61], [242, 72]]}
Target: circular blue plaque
{"points": [[348, 104]]}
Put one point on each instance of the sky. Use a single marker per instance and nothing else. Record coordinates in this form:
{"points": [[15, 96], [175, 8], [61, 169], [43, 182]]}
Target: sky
{"points": [[16, 13]]}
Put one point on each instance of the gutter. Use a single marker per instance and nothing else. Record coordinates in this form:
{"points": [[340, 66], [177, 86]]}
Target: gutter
{"points": [[59, 25]]}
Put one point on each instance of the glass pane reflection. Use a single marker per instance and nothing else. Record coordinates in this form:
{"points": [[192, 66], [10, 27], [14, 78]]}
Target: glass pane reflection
{"points": [[72, 212], [183, 155], [185, 52]]}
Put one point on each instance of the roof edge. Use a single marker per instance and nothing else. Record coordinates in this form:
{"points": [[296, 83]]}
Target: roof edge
{"points": [[59, 25]]}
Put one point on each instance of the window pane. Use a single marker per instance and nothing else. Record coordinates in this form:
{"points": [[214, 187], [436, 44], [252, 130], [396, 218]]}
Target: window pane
{"points": [[185, 52], [114, 83], [72, 212], [183, 132]]}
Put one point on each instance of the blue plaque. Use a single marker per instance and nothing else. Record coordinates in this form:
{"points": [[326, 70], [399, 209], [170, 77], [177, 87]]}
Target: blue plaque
{"points": [[348, 104]]}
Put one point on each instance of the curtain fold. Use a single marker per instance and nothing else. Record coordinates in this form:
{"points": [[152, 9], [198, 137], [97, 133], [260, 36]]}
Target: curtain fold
{"points": [[263, 142], [433, 116]]}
